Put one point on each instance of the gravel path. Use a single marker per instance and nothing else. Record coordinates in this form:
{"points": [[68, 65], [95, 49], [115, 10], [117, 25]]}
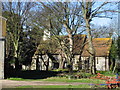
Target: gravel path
{"points": [[12, 83]]}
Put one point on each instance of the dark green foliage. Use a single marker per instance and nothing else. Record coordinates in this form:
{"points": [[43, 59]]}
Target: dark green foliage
{"points": [[21, 40], [30, 41], [115, 55], [113, 51], [118, 43]]}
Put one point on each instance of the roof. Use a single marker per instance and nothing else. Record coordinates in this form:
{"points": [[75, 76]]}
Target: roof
{"points": [[79, 43], [101, 46], [52, 46]]}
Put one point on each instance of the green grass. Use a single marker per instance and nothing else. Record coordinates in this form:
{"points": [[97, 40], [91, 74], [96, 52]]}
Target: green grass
{"points": [[83, 80], [18, 79], [57, 86], [22, 79], [63, 79], [107, 73]]}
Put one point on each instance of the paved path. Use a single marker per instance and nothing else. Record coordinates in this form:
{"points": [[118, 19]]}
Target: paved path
{"points": [[12, 83]]}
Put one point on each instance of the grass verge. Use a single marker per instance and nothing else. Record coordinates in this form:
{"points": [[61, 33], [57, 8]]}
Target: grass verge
{"points": [[57, 86]]}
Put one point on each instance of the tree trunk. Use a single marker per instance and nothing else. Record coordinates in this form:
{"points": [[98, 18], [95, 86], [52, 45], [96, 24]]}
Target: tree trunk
{"points": [[80, 63], [61, 64], [92, 64], [114, 67], [47, 68], [16, 64], [37, 63], [81, 51], [111, 65], [70, 63], [47, 65], [16, 55]]}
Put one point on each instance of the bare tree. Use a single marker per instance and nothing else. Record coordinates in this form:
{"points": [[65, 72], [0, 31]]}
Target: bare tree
{"points": [[89, 12], [67, 15], [105, 31]]}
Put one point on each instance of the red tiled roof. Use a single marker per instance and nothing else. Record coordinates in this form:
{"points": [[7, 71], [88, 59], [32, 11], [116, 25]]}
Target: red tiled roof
{"points": [[101, 46]]}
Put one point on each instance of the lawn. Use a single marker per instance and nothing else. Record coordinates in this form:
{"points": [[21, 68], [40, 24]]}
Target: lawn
{"points": [[63, 79], [57, 86], [83, 80], [52, 78]]}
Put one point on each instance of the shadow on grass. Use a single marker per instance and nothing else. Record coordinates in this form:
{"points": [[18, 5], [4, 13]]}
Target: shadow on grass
{"points": [[33, 74]]}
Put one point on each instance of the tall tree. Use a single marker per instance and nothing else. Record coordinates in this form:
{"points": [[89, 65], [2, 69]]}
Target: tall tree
{"points": [[17, 16], [68, 16], [89, 12]]}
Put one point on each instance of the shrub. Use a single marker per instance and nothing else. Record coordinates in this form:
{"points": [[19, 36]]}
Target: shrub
{"points": [[61, 70], [106, 73]]}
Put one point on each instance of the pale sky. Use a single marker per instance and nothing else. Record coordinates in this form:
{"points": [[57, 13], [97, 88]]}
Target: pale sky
{"points": [[101, 21]]}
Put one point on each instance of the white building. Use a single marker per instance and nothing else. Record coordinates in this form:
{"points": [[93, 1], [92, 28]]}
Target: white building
{"points": [[102, 50]]}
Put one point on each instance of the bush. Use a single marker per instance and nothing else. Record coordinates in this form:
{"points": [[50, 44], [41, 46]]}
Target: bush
{"points": [[106, 73], [101, 72], [77, 75], [61, 70]]}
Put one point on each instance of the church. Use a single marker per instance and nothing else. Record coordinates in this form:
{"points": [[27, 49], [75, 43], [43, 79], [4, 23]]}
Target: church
{"points": [[51, 60]]}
